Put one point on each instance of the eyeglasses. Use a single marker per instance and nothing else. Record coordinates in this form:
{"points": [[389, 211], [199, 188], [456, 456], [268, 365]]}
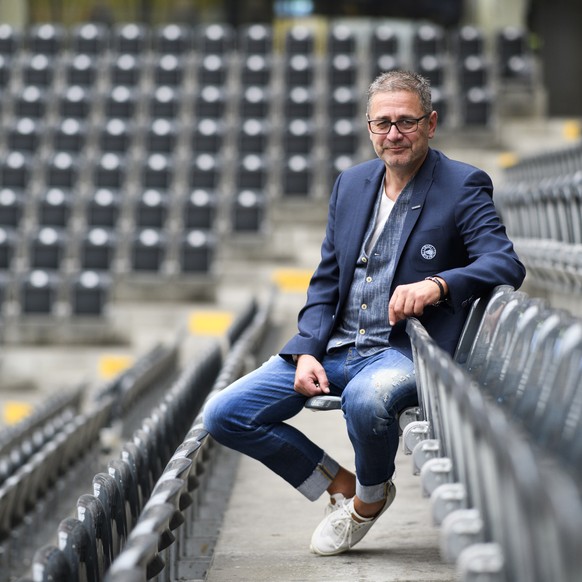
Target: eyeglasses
{"points": [[383, 126]]}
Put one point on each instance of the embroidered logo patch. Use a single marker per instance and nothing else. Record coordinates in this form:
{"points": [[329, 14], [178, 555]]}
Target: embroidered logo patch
{"points": [[428, 252]]}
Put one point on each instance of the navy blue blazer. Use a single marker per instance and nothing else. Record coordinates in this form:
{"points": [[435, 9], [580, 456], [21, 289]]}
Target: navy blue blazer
{"points": [[451, 229]]}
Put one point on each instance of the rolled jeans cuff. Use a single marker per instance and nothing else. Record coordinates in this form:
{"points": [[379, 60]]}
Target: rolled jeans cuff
{"points": [[323, 474], [372, 493]]}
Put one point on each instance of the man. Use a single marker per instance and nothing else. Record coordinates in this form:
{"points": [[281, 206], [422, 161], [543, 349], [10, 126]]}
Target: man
{"points": [[412, 233]]}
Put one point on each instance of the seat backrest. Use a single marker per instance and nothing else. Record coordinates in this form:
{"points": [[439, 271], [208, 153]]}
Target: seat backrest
{"points": [[50, 564], [121, 472], [487, 328], [91, 513], [76, 544], [106, 490]]}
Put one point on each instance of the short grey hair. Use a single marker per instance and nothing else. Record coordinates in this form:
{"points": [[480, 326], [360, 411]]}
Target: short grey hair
{"points": [[402, 81]]}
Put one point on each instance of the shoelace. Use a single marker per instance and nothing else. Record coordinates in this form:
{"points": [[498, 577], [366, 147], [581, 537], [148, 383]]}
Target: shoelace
{"points": [[344, 524]]}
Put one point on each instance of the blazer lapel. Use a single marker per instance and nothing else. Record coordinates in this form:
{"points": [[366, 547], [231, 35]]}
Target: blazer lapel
{"points": [[362, 214], [422, 183]]}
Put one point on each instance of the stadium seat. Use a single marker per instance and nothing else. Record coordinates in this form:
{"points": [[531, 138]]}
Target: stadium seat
{"points": [[476, 107], [217, 39], [116, 136], [55, 207], [299, 39], [50, 563], [204, 171], [69, 135], [343, 103], [137, 459], [62, 170], [165, 102], [126, 70], [255, 102], [342, 71], [169, 71], [256, 70], [299, 102], [81, 70], [89, 293], [210, 102], [121, 472], [130, 38], [299, 137], [200, 210], [384, 41], [76, 101], [297, 176], [109, 171], [121, 102], [106, 490], [15, 170], [10, 39], [98, 249], [212, 70], [89, 38], [161, 136], [148, 250], [255, 39], [208, 136], [251, 173], [299, 70], [103, 208], [38, 70], [12, 206], [432, 68], [46, 39], [157, 171], [343, 137], [341, 40], [75, 543], [24, 134], [152, 209], [91, 514], [469, 42], [196, 251], [172, 39], [253, 136], [248, 211], [30, 101], [38, 292], [47, 248]]}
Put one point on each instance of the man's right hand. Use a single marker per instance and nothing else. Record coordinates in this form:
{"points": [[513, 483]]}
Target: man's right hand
{"points": [[310, 377]]}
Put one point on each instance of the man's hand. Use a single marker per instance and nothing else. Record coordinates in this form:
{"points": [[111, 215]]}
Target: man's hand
{"points": [[410, 300], [310, 377]]}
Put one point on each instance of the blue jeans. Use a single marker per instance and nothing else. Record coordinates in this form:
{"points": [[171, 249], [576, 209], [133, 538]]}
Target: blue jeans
{"points": [[249, 416]]}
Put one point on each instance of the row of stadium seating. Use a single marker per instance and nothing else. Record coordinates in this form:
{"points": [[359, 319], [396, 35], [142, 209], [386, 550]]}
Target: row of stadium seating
{"points": [[154, 405], [541, 204], [499, 445], [139, 152]]}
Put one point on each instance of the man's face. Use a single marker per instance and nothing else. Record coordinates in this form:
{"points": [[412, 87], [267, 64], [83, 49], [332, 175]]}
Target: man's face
{"points": [[401, 151]]}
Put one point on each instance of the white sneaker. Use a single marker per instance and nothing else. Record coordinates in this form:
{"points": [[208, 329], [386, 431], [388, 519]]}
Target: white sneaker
{"points": [[335, 502], [340, 530]]}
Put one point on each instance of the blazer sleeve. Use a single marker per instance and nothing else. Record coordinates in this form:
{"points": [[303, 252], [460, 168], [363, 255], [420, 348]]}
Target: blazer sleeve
{"points": [[316, 318], [491, 259]]}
